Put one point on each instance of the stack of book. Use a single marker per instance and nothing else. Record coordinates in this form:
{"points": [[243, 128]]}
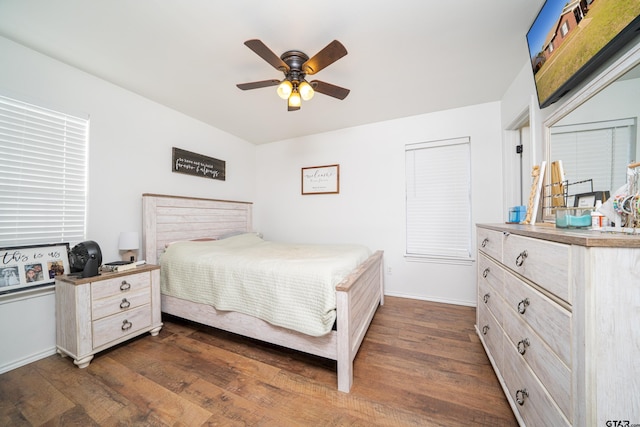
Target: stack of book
{"points": [[118, 266]]}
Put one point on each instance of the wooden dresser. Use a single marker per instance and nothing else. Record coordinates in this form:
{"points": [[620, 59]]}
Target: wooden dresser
{"points": [[559, 317], [95, 313]]}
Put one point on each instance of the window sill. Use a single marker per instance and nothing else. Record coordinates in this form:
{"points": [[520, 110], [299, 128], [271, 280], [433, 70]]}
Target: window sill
{"points": [[438, 260]]}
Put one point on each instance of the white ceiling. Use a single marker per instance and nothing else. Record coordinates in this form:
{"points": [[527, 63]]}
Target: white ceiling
{"points": [[406, 57]]}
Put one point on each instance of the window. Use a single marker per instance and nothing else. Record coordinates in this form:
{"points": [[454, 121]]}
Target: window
{"points": [[43, 157], [564, 29], [438, 176]]}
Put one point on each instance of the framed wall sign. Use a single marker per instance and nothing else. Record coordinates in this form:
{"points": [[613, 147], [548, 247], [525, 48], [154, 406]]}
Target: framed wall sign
{"points": [[321, 179], [195, 164], [25, 267]]}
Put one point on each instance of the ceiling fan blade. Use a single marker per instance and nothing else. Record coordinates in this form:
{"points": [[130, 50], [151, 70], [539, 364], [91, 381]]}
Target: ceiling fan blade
{"points": [[257, 85], [329, 89], [267, 54], [327, 56]]}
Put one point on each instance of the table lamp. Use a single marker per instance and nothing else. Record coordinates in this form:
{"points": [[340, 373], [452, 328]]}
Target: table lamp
{"points": [[129, 242]]}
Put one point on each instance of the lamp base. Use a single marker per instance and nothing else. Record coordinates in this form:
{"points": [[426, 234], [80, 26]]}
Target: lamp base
{"points": [[129, 256]]}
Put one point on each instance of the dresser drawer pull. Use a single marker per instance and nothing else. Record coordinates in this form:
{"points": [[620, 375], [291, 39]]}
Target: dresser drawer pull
{"points": [[485, 273], [521, 395], [484, 242], [125, 286], [486, 297], [522, 305], [520, 259], [126, 325], [125, 304], [485, 329], [522, 345]]}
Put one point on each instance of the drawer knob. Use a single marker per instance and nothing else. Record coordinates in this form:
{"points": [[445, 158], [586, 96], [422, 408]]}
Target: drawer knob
{"points": [[485, 273], [521, 395], [520, 259], [522, 345], [125, 286], [126, 325], [486, 297], [485, 329], [125, 304], [522, 305], [485, 241]]}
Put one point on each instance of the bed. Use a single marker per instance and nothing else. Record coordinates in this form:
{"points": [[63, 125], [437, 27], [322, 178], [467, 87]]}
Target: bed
{"points": [[169, 219]]}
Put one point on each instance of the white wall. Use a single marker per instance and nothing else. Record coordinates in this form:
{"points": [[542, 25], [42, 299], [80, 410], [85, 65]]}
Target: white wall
{"points": [[370, 208], [130, 142], [129, 154]]}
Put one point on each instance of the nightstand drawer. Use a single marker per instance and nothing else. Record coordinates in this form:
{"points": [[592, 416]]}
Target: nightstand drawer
{"points": [[119, 303], [121, 325], [119, 285]]}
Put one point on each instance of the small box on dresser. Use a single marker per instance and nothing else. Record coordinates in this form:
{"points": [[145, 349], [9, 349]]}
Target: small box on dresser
{"points": [[95, 313]]}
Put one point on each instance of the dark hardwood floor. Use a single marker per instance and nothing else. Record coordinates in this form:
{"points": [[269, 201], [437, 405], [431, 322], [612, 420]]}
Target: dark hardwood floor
{"points": [[421, 364]]}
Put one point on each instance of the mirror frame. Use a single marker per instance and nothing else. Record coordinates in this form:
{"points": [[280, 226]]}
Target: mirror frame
{"points": [[624, 63]]}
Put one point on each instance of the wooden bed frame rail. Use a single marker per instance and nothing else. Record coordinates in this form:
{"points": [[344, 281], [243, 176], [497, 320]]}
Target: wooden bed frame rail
{"points": [[171, 218]]}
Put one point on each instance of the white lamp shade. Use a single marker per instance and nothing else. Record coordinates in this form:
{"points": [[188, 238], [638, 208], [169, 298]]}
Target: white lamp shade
{"points": [[128, 240]]}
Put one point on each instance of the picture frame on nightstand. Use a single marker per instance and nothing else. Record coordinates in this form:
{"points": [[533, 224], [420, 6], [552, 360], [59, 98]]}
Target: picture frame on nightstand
{"points": [[26, 267]]}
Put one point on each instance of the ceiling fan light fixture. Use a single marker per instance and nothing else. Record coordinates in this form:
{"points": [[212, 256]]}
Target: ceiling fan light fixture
{"points": [[296, 65], [284, 89], [294, 99], [306, 91]]}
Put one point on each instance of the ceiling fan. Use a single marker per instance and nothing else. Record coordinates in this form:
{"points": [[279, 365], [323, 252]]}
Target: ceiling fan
{"points": [[296, 66]]}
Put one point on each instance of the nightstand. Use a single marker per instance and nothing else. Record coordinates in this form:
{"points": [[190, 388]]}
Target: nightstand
{"points": [[95, 313]]}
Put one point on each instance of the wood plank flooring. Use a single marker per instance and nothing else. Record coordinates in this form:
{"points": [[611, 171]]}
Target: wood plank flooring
{"points": [[421, 364]]}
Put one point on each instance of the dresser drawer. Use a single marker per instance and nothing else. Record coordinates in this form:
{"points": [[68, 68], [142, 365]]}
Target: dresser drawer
{"points": [[490, 242], [121, 325], [551, 321], [120, 285], [490, 272], [554, 375], [491, 299], [119, 303], [543, 262], [532, 401], [491, 335]]}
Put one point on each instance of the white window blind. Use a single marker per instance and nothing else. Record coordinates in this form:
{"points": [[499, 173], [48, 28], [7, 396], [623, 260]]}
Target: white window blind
{"points": [[43, 157], [438, 176], [598, 151]]}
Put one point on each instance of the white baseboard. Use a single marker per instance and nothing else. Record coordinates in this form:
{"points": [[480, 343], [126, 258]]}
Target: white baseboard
{"points": [[441, 300], [26, 360]]}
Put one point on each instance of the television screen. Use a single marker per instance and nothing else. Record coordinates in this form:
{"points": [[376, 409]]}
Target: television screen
{"points": [[570, 39]]}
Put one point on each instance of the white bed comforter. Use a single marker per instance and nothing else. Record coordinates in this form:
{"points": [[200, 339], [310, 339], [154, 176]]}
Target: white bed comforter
{"points": [[288, 285]]}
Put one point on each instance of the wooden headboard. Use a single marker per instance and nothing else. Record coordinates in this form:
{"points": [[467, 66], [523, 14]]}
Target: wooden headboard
{"points": [[167, 219]]}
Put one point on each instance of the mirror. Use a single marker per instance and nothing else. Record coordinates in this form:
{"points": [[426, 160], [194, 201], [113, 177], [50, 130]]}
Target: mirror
{"points": [[593, 138]]}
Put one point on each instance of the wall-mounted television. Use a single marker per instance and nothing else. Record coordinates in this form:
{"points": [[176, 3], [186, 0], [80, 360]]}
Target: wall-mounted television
{"points": [[570, 39]]}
